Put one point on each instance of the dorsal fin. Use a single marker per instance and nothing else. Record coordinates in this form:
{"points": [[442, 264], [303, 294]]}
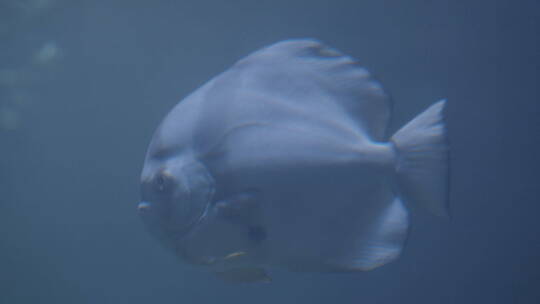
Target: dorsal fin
{"points": [[300, 68]]}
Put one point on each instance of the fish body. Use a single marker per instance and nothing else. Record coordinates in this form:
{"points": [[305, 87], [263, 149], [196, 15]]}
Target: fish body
{"points": [[284, 161]]}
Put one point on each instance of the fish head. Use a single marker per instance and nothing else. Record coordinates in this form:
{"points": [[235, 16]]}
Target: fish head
{"points": [[176, 192], [178, 208]]}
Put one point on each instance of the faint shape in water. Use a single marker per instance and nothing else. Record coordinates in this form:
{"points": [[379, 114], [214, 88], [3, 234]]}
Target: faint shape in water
{"points": [[9, 119], [19, 83], [30, 6], [12, 77], [48, 54]]}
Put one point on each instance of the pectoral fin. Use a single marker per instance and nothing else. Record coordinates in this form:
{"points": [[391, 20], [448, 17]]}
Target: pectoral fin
{"points": [[243, 208], [244, 275]]}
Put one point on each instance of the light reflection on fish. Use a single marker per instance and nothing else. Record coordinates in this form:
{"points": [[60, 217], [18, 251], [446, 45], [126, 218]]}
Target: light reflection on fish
{"points": [[283, 161]]}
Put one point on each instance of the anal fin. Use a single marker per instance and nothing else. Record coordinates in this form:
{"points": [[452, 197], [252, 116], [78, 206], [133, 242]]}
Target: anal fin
{"points": [[242, 208], [382, 244]]}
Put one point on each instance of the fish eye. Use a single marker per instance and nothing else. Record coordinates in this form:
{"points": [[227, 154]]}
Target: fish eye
{"points": [[163, 181]]}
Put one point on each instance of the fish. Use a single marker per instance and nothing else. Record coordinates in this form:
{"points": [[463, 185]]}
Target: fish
{"points": [[284, 161]]}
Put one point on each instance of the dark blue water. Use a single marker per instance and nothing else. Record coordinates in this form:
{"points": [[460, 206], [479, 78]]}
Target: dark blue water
{"points": [[83, 84]]}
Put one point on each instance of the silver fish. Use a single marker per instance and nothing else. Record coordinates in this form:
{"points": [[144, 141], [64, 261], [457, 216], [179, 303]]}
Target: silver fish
{"points": [[283, 161]]}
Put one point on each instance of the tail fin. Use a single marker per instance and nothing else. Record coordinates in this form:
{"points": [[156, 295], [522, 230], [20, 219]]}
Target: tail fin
{"points": [[422, 166]]}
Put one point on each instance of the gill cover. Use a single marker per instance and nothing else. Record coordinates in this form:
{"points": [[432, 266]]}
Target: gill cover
{"points": [[199, 188]]}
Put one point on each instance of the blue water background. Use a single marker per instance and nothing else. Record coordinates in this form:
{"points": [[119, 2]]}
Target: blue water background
{"points": [[69, 166]]}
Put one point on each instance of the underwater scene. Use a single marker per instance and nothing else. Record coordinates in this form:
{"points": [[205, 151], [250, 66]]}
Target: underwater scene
{"points": [[326, 151]]}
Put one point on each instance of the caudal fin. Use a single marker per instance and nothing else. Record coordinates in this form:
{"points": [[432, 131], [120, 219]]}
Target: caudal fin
{"points": [[422, 166]]}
